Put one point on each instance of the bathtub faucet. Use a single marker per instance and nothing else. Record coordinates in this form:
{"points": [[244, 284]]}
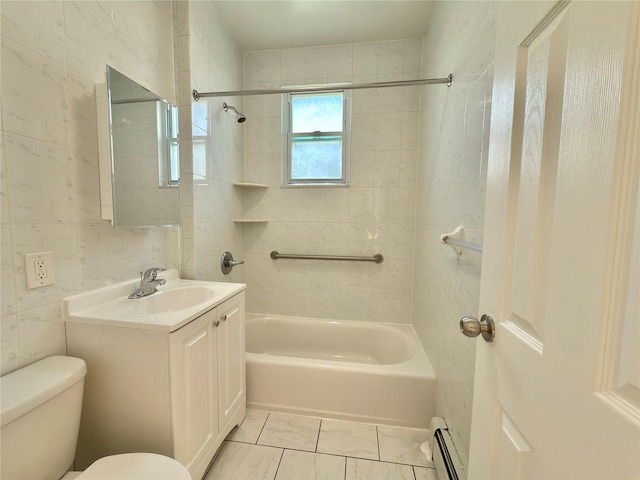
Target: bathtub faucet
{"points": [[148, 283]]}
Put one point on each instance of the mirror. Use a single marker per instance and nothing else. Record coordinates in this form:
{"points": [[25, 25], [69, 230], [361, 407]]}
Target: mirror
{"points": [[138, 144]]}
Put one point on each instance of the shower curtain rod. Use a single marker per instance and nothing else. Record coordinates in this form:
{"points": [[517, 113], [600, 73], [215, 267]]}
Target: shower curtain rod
{"points": [[329, 88]]}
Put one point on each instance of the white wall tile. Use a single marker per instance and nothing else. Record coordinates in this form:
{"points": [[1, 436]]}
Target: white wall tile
{"points": [[269, 66], [365, 59], [33, 90], [412, 54], [336, 220], [363, 168], [363, 131], [39, 181], [8, 290], [130, 19], [89, 36], [20, 20], [451, 177], [53, 53], [9, 344], [98, 245], [315, 65], [217, 64], [364, 101], [390, 59], [340, 63], [388, 131], [41, 333], [251, 67]]}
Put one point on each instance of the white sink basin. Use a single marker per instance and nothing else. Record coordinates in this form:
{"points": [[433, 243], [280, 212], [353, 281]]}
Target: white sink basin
{"points": [[165, 300], [176, 303]]}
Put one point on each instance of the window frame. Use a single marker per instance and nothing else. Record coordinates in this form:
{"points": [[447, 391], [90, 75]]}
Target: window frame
{"points": [[168, 145], [288, 136]]}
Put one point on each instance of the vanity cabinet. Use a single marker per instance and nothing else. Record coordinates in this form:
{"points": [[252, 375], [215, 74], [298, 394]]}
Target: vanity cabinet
{"points": [[177, 393], [208, 391]]}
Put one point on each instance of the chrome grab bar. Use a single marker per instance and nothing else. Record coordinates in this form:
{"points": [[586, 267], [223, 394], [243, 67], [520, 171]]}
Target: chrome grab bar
{"points": [[377, 258]]}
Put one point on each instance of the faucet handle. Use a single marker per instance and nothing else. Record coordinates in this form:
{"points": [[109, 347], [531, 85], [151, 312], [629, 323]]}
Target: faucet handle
{"points": [[152, 273]]}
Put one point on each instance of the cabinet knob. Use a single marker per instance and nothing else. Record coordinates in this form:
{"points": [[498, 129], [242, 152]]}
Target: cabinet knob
{"points": [[216, 323], [224, 318]]}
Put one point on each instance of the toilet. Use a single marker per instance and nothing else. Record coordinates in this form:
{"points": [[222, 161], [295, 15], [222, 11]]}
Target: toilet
{"points": [[40, 417]]}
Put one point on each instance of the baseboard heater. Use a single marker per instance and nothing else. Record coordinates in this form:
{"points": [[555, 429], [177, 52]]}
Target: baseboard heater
{"points": [[445, 457]]}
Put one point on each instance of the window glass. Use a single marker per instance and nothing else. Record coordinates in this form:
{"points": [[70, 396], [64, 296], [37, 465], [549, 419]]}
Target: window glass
{"points": [[319, 157], [316, 139], [318, 112]]}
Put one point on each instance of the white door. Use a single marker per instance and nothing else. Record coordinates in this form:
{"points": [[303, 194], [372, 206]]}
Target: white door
{"points": [[557, 392]]}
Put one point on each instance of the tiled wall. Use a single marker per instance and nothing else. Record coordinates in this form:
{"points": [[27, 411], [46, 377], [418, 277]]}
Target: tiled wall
{"points": [[210, 61], [375, 214], [53, 53], [450, 192]]}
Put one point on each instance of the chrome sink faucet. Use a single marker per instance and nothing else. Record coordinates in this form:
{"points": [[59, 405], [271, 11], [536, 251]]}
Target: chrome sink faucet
{"points": [[149, 283]]}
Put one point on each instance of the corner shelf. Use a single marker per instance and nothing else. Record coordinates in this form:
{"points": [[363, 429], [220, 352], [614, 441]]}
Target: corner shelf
{"points": [[249, 185]]}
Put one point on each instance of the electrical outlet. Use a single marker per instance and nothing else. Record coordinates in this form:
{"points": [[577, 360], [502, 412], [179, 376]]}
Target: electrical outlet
{"points": [[41, 269], [38, 268]]}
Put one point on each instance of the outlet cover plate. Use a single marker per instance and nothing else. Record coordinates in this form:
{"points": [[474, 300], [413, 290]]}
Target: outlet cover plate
{"points": [[38, 269]]}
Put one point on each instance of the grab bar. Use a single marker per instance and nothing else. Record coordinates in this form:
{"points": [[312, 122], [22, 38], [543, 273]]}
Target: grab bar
{"points": [[377, 258]]}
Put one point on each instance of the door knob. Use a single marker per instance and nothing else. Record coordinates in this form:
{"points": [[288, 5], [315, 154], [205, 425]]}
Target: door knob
{"points": [[472, 327]]}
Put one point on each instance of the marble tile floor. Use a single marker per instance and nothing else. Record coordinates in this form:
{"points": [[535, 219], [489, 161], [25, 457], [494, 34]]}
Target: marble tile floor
{"points": [[279, 446]]}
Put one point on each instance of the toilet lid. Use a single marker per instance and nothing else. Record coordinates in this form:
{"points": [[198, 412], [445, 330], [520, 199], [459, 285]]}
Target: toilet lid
{"points": [[135, 466]]}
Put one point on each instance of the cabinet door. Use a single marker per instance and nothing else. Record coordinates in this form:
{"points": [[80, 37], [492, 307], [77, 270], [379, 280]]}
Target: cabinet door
{"points": [[194, 394], [231, 366]]}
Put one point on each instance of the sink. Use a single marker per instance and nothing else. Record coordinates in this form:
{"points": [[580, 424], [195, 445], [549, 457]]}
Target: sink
{"points": [[175, 304], [172, 299]]}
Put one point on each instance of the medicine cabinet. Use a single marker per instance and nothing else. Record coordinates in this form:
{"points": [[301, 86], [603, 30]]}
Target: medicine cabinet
{"points": [[138, 151]]}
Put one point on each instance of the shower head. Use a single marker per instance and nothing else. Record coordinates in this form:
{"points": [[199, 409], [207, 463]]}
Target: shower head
{"points": [[240, 116]]}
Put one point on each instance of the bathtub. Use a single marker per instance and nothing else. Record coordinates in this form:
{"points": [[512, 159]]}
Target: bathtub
{"points": [[362, 371]]}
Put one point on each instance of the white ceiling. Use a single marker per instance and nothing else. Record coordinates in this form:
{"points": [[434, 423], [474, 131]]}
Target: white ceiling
{"points": [[269, 24]]}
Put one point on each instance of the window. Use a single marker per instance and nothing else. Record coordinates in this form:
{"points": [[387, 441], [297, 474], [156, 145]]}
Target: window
{"points": [[169, 163], [316, 139]]}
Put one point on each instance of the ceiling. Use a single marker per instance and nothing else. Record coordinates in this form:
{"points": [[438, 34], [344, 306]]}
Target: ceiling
{"points": [[270, 25]]}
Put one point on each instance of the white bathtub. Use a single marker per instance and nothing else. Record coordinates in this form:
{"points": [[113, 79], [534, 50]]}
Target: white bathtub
{"points": [[376, 373]]}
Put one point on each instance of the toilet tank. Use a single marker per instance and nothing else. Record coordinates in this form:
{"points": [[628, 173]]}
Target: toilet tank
{"points": [[40, 416]]}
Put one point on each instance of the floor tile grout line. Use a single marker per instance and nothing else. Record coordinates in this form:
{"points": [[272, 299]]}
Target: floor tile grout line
{"points": [[378, 444], [263, 425], [318, 437], [332, 454], [346, 460], [279, 463]]}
